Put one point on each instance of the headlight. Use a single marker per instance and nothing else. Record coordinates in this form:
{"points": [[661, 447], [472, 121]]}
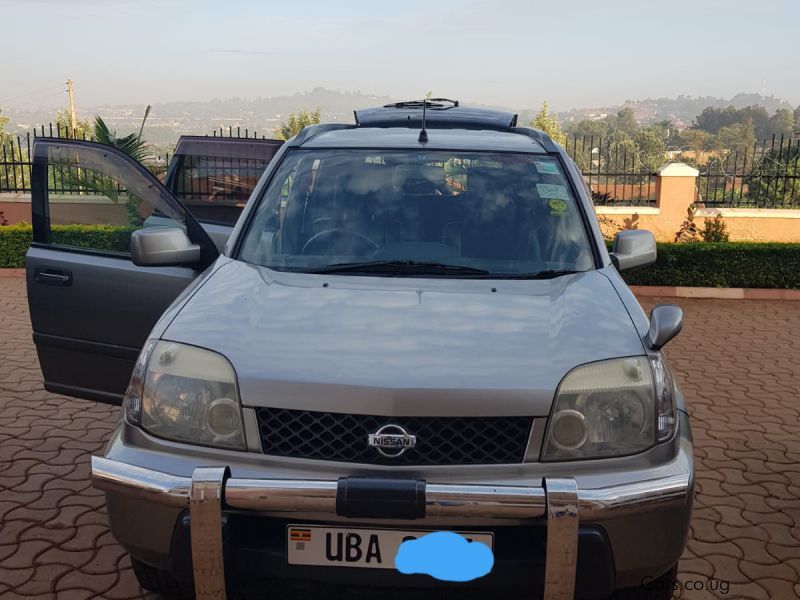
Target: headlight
{"points": [[608, 409], [187, 394]]}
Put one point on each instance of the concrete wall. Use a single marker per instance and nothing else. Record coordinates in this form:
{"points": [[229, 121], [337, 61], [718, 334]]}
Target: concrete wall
{"points": [[676, 190], [66, 210]]}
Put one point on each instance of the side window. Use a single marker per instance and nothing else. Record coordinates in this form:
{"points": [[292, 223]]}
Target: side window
{"points": [[216, 189], [95, 197]]}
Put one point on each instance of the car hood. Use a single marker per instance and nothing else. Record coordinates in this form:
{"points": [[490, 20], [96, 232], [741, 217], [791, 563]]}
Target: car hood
{"points": [[400, 346]]}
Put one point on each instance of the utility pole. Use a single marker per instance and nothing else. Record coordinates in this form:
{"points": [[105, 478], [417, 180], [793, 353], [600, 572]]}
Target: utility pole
{"points": [[73, 121]]}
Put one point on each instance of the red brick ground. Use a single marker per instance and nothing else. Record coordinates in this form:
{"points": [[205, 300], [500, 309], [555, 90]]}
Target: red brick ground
{"points": [[738, 363]]}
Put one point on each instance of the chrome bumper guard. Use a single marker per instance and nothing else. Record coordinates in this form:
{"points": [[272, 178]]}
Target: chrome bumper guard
{"points": [[211, 489]]}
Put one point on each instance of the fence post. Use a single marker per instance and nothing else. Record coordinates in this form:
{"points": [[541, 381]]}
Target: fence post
{"points": [[676, 189]]}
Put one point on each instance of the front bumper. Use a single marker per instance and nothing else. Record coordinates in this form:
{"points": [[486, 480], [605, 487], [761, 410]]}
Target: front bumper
{"points": [[557, 500]]}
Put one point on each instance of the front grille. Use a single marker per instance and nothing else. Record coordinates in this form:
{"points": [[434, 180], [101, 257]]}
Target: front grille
{"points": [[440, 440]]}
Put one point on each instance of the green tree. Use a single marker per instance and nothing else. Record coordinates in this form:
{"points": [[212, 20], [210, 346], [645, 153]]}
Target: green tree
{"points": [[83, 128], [736, 137], [760, 119], [16, 153], [3, 122], [696, 140], [797, 118], [587, 129], [625, 121], [713, 120], [549, 124], [652, 147], [621, 153], [772, 181], [296, 122], [782, 123], [670, 132]]}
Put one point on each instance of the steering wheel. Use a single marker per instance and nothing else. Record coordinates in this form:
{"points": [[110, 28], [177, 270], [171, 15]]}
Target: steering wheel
{"points": [[326, 233]]}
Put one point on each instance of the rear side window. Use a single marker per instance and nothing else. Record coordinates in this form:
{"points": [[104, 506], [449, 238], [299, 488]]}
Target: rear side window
{"points": [[216, 189]]}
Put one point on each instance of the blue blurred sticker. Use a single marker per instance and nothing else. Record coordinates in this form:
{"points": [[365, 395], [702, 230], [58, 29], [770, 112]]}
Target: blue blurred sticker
{"points": [[446, 556]]}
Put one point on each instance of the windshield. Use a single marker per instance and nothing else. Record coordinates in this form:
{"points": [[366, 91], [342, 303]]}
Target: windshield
{"points": [[404, 212]]}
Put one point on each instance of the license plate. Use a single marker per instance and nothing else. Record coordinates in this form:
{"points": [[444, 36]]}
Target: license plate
{"points": [[355, 547]]}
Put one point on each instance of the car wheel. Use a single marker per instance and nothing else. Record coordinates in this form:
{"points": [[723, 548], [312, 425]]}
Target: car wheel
{"points": [[161, 582], [660, 588]]}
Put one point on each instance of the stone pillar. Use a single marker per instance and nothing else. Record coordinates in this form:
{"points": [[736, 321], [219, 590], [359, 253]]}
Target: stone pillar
{"points": [[676, 189]]}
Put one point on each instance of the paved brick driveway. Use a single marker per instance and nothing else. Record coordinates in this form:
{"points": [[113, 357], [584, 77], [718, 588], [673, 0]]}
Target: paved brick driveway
{"points": [[738, 362]]}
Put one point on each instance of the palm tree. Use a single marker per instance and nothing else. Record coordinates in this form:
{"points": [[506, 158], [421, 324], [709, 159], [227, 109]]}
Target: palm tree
{"points": [[132, 144], [101, 183]]}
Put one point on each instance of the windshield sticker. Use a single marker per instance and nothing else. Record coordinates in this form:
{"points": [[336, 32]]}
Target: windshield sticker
{"points": [[550, 190], [546, 166], [557, 207]]}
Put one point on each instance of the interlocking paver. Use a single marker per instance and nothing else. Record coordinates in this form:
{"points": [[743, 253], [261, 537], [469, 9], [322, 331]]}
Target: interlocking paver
{"points": [[738, 363]]}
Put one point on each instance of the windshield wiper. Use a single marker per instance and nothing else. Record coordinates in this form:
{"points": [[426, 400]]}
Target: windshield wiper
{"points": [[546, 274], [396, 267]]}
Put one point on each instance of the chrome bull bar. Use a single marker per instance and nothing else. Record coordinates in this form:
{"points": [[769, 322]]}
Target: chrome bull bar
{"points": [[211, 489]]}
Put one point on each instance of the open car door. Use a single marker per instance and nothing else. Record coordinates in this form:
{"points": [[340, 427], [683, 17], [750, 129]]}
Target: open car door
{"points": [[91, 308]]}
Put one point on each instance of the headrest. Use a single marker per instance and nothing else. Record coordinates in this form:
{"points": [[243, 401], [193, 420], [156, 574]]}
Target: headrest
{"points": [[419, 179], [367, 179], [485, 177]]}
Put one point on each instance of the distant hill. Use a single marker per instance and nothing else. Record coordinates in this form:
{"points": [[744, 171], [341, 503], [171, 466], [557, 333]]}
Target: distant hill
{"points": [[170, 119], [681, 110]]}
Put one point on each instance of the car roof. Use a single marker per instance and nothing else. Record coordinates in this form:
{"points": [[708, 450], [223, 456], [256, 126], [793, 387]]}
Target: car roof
{"points": [[447, 125], [438, 139]]}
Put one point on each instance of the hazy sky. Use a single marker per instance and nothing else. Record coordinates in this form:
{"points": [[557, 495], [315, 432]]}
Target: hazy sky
{"points": [[514, 53]]}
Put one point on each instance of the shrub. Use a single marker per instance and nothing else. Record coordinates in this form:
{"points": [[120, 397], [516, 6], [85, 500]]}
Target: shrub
{"points": [[715, 230], [15, 239], [115, 238], [688, 229], [14, 242], [723, 264]]}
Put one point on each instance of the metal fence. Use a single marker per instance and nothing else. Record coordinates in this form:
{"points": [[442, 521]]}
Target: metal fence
{"points": [[15, 159], [616, 172], [15, 165], [764, 176]]}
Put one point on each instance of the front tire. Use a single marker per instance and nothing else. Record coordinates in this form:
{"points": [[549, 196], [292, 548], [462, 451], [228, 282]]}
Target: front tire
{"points": [[660, 588], [161, 582]]}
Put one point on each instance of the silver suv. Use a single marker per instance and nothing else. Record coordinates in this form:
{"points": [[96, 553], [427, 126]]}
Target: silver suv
{"points": [[415, 325]]}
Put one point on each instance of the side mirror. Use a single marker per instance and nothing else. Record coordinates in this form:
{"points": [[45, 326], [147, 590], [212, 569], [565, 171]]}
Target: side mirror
{"points": [[632, 249], [155, 246], [666, 321]]}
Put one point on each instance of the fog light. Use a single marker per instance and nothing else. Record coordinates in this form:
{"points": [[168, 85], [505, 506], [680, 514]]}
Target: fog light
{"points": [[223, 417], [568, 431]]}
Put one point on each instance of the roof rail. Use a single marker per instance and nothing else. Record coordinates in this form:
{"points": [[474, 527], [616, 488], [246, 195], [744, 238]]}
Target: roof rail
{"points": [[430, 103], [439, 116], [309, 132], [540, 136]]}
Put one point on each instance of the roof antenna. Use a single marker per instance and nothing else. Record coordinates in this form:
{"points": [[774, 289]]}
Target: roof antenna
{"points": [[423, 135]]}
